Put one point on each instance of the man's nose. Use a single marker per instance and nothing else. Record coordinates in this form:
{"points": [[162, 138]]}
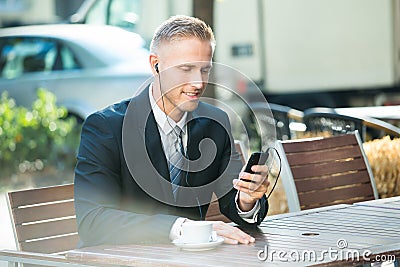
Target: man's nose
{"points": [[197, 80]]}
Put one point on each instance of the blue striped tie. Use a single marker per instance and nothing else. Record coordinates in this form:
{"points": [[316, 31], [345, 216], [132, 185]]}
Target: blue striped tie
{"points": [[176, 160]]}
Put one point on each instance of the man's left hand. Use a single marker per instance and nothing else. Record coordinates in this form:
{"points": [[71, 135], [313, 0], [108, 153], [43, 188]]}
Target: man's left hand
{"points": [[252, 187]]}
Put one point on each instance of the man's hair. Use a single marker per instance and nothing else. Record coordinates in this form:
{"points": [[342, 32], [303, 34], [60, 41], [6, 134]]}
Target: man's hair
{"points": [[181, 27]]}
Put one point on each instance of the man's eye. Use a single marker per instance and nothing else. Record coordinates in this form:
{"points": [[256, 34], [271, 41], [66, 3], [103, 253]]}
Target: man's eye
{"points": [[207, 70], [186, 69]]}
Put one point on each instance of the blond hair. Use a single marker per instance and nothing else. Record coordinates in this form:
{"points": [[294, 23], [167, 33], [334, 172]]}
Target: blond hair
{"points": [[181, 27]]}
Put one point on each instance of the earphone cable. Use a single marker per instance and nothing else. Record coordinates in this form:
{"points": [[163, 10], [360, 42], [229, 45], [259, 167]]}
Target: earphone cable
{"points": [[279, 172], [162, 100], [185, 151]]}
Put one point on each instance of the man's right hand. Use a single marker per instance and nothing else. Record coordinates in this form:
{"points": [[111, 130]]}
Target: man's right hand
{"points": [[231, 234]]}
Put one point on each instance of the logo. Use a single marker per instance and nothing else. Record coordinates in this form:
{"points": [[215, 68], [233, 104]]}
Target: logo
{"points": [[338, 253]]}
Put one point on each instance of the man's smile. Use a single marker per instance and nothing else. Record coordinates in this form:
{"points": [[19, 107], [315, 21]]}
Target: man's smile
{"points": [[195, 94]]}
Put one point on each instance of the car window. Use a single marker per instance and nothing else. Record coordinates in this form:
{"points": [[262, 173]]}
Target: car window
{"points": [[21, 55], [121, 13], [125, 13], [98, 13]]}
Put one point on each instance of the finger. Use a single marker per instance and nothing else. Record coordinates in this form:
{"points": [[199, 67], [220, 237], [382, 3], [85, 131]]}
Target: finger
{"points": [[231, 237], [255, 193], [251, 186], [232, 234], [230, 241], [243, 185], [239, 183], [254, 178], [260, 169]]}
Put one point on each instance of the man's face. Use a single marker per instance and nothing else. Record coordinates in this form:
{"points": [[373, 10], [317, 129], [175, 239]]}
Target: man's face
{"points": [[184, 70]]}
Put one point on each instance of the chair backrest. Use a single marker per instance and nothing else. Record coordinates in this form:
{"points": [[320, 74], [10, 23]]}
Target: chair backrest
{"points": [[283, 116], [213, 212], [320, 171], [241, 151], [44, 219], [327, 119]]}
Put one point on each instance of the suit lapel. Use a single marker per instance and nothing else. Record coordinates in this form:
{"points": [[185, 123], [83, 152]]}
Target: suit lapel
{"points": [[154, 147], [195, 135], [149, 163]]}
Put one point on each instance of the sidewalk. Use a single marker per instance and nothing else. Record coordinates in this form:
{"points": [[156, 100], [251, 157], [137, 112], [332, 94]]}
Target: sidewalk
{"points": [[6, 232]]}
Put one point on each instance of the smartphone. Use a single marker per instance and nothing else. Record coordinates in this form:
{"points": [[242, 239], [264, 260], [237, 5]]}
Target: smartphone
{"points": [[256, 158]]}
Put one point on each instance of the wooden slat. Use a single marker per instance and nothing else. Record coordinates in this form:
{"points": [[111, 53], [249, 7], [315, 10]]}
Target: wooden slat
{"points": [[213, 209], [214, 213], [329, 171], [342, 201], [324, 155], [53, 245], [305, 185], [315, 170], [219, 217], [46, 229], [44, 219], [41, 195], [330, 195], [239, 149], [45, 212], [325, 143]]}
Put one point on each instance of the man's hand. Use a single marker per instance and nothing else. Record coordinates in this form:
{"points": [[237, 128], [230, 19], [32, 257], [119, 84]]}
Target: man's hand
{"points": [[232, 235], [252, 187]]}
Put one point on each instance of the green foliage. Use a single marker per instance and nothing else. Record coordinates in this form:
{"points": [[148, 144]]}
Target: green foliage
{"points": [[31, 139]]}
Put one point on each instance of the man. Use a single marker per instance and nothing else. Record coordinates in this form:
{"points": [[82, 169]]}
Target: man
{"points": [[131, 153]]}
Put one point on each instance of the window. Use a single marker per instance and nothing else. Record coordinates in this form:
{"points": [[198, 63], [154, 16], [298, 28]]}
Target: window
{"points": [[98, 13], [125, 13], [121, 13], [26, 55], [13, 5]]}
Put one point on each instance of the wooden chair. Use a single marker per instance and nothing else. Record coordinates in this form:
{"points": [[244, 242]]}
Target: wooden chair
{"points": [[43, 219], [44, 226], [214, 213], [320, 172]]}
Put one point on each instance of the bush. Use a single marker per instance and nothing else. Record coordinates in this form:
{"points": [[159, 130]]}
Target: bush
{"points": [[384, 158], [33, 139]]}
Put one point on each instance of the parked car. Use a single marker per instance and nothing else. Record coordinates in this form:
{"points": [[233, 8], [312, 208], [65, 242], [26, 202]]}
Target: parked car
{"points": [[87, 67]]}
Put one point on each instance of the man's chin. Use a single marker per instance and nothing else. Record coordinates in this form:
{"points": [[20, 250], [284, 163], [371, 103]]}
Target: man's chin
{"points": [[189, 106]]}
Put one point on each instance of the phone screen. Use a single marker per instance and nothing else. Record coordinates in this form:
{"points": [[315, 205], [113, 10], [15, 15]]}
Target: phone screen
{"points": [[256, 158]]}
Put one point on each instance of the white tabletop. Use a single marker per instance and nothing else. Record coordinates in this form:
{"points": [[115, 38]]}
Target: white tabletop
{"points": [[378, 112]]}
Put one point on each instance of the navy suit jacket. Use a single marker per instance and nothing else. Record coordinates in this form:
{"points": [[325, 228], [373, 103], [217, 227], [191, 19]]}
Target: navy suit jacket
{"points": [[122, 189]]}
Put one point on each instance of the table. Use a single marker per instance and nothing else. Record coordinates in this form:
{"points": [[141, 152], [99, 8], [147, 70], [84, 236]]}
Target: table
{"points": [[378, 112], [384, 203], [350, 230]]}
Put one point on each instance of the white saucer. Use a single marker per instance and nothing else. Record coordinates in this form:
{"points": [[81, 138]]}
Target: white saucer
{"points": [[198, 246]]}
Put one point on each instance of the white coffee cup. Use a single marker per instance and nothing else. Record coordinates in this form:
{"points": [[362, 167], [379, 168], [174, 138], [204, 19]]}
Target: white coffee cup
{"points": [[197, 232]]}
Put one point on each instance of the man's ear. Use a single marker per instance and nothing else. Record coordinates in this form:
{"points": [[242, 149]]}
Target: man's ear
{"points": [[153, 58]]}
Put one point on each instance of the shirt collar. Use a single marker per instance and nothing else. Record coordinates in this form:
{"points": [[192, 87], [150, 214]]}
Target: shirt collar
{"points": [[161, 118]]}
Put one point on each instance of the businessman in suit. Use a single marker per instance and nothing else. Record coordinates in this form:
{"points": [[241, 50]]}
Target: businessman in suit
{"points": [[149, 164]]}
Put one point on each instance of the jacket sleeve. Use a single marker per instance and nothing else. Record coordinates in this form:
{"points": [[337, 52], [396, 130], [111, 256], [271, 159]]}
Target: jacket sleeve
{"points": [[98, 193]]}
